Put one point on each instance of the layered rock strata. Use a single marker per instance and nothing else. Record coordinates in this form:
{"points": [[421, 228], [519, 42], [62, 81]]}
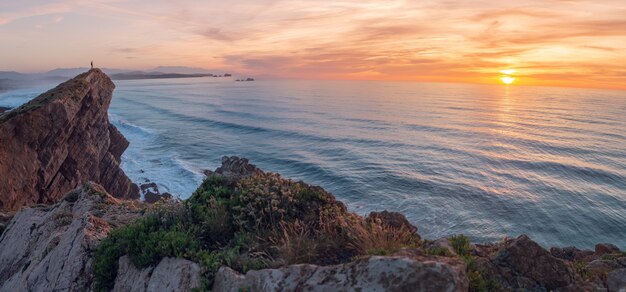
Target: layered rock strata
{"points": [[59, 140]]}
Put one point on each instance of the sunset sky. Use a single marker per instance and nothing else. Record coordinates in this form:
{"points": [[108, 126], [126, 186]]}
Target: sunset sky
{"points": [[548, 42]]}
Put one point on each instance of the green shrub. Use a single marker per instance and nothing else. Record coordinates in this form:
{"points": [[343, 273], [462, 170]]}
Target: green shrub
{"points": [[479, 283], [438, 251], [461, 244], [253, 223]]}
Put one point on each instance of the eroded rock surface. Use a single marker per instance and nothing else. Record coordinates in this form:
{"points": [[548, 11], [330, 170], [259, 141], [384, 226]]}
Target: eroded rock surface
{"points": [[375, 273], [50, 248], [171, 274], [59, 140]]}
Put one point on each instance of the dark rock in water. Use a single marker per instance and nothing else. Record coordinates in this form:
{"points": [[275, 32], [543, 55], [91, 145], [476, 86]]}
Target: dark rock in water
{"points": [[4, 109], [60, 139], [149, 188], [604, 248], [392, 219], [151, 194]]}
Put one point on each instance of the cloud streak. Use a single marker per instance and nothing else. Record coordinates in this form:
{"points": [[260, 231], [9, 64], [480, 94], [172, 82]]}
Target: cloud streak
{"points": [[574, 43]]}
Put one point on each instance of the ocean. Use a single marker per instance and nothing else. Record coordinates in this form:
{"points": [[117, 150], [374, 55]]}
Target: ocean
{"points": [[487, 161]]}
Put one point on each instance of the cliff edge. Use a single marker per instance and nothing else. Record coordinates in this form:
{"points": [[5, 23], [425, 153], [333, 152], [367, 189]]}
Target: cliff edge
{"points": [[60, 139]]}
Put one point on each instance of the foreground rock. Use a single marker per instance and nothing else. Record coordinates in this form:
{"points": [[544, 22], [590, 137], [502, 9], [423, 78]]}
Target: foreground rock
{"points": [[369, 274], [60, 139], [521, 263], [50, 248], [171, 274]]}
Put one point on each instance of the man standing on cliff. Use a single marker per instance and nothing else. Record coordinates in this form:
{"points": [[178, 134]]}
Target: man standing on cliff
{"points": [[91, 64]]}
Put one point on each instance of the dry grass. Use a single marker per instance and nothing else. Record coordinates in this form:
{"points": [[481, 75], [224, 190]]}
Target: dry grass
{"points": [[294, 243], [375, 238]]}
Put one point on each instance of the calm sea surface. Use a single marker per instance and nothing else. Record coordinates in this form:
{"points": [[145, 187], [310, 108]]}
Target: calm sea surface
{"points": [[486, 161]]}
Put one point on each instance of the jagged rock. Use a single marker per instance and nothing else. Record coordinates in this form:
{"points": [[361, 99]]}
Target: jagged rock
{"points": [[233, 168], [171, 274], [50, 248], [151, 194], [60, 139], [522, 264], [570, 253], [392, 219], [604, 248], [369, 274], [616, 280]]}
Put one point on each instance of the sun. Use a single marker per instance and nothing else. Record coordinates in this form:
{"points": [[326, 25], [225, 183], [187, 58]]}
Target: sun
{"points": [[507, 79]]}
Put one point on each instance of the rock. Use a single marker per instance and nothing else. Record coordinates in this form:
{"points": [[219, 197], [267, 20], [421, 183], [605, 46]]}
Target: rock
{"points": [[50, 248], [604, 248], [4, 109], [59, 140], [522, 264], [236, 167], [392, 219], [151, 194], [598, 270], [570, 253], [375, 273], [171, 274], [616, 280]]}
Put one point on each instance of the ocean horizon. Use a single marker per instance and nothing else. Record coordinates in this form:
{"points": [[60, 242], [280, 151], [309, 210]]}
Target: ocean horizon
{"points": [[487, 161]]}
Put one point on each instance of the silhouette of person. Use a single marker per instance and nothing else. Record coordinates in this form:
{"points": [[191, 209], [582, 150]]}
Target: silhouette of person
{"points": [[91, 64]]}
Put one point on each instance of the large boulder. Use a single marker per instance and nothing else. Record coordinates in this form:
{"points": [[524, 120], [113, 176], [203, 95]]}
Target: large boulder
{"points": [[50, 248], [376, 273], [616, 280], [523, 264], [60, 139], [171, 274]]}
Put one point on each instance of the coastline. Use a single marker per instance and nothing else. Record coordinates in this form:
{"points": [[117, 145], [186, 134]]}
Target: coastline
{"points": [[242, 228]]}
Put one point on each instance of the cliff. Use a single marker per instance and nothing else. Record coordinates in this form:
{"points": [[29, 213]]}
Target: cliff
{"points": [[60, 139]]}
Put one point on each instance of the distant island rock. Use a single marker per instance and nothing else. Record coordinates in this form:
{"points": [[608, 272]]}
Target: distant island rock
{"points": [[155, 75]]}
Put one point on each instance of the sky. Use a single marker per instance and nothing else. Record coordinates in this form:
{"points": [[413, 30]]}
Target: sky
{"points": [[576, 43]]}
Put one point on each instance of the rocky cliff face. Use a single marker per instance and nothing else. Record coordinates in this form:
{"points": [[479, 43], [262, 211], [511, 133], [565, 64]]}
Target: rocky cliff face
{"points": [[376, 273], [60, 139], [50, 248]]}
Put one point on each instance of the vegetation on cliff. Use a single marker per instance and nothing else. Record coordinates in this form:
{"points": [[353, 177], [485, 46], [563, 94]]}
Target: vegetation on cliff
{"points": [[252, 222]]}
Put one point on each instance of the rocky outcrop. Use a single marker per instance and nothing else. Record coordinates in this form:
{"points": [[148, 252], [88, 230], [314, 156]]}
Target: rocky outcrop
{"points": [[4, 109], [150, 193], [50, 248], [375, 273], [60, 139], [392, 219], [234, 168], [171, 274], [521, 263]]}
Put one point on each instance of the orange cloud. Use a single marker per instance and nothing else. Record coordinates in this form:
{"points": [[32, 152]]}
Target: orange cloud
{"points": [[549, 42]]}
